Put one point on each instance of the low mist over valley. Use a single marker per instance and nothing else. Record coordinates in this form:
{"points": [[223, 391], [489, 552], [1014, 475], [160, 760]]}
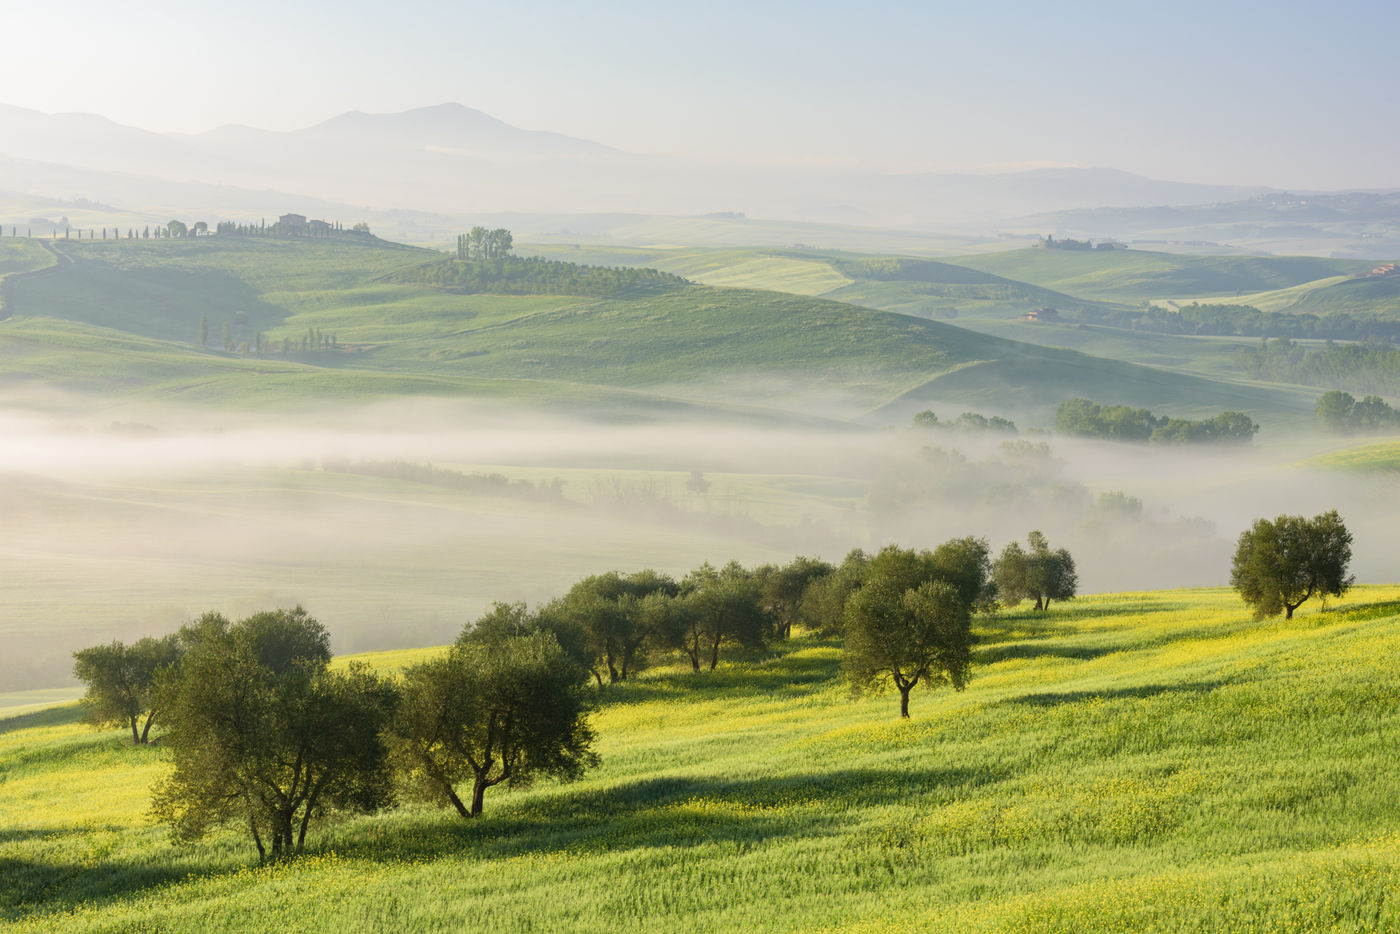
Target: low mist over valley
{"points": [[398, 522], [540, 467]]}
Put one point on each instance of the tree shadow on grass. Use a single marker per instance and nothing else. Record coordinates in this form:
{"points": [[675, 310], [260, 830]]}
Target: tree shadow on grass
{"points": [[657, 813], [1035, 650], [663, 814], [39, 882], [1360, 611], [791, 673], [49, 716], [1056, 699]]}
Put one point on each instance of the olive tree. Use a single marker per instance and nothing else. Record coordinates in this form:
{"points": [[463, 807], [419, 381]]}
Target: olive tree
{"points": [[265, 736], [1279, 564], [714, 607], [1038, 574], [782, 588], [607, 609], [906, 626], [504, 710], [121, 682]]}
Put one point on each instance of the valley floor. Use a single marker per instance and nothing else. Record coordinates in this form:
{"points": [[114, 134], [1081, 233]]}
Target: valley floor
{"points": [[1126, 762]]}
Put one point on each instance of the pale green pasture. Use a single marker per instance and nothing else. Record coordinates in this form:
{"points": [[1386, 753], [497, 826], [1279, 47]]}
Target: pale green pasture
{"points": [[1271, 300]]}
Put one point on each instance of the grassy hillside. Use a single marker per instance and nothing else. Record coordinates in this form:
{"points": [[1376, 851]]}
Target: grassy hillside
{"points": [[1379, 458], [919, 287], [1148, 761], [1363, 297], [693, 344], [1134, 276]]}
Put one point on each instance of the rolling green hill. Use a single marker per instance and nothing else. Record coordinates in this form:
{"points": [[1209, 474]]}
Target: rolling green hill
{"points": [[125, 315], [1382, 457], [1362, 297], [1132, 762], [1134, 276], [971, 299]]}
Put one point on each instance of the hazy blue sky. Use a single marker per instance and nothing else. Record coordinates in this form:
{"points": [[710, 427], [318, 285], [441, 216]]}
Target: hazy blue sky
{"points": [[1288, 94]]}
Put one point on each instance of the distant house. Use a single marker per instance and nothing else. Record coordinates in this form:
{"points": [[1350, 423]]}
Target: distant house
{"points": [[1384, 270], [1041, 314], [318, 228], [291, 223], [1110, 245]]}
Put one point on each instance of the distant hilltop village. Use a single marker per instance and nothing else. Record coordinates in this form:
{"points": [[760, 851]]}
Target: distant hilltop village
{"points": [[1050, 243], [287, 226]]}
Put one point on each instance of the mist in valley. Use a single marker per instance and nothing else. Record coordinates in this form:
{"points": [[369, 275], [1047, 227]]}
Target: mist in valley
{"points": [[398, 523]]}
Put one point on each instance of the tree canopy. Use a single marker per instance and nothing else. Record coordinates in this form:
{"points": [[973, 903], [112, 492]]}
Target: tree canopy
{"points": [[499, 710], [265, 736], [1038, 574], [906, 626], [1089, 419], [121, 682], [1281, 563]]}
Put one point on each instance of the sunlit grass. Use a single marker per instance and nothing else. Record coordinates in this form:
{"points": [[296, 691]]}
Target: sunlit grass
{"points": [[1137, 761]]}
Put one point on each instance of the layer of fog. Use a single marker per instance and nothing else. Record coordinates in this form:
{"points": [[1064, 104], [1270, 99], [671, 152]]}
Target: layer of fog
{"points": [[124, 524]]}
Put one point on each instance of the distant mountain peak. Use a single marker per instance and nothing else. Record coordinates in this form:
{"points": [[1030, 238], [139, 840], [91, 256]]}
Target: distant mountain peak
{"points": [[451, 126]]}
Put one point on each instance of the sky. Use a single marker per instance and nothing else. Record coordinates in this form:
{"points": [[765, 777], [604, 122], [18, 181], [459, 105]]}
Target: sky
{"points": [[1297, 95]]}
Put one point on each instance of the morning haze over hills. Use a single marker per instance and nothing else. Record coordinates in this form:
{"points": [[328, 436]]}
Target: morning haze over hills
{"points": [[925, 470], [451, 159]]}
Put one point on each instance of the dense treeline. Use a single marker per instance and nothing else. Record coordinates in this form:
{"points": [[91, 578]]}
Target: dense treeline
{"points": [[514, 275], [265, 736], [1219, 320], [492, 483], [1342, 413], [1086, 418], [967, 421], [1373, 366]]}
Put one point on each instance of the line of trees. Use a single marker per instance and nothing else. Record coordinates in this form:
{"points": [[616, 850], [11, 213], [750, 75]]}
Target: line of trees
{"points": [[1342, 413], [967, 421], [1088, 419], [313, 341], [266, 736], [533, 275], [481, 243], [1370, 366], [1220, 320]]}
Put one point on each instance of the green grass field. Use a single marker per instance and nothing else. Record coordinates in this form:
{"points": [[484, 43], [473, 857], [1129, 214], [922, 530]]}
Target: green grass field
{"points": [[122, 318], [1135, 276], [1382, 457], [1141, 761], [1360, 297]]}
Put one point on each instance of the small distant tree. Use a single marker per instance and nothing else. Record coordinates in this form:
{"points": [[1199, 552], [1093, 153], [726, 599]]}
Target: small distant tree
{"points": [[1279, 564], [697, 483], [1038, 574], [204, 330], [264, 736], [500, 710], [176, 229], [905, 627], [121, 682]]}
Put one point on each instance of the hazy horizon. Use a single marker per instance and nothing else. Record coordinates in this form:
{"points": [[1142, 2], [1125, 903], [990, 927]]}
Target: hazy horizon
{"points": [[1198, 93]]}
